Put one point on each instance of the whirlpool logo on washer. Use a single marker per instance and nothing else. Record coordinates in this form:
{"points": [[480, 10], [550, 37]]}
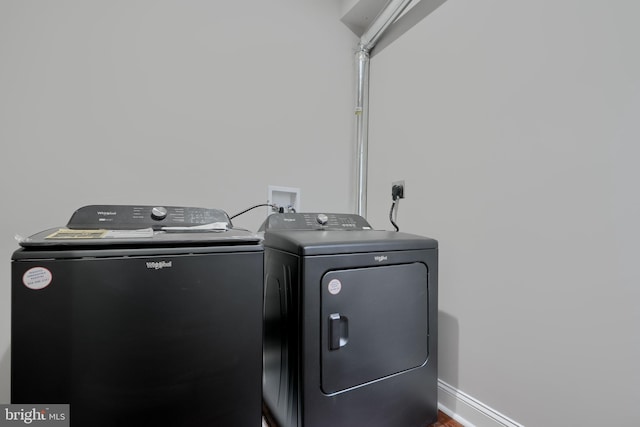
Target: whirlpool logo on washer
{"points": [[159, 265], [380, 258]]}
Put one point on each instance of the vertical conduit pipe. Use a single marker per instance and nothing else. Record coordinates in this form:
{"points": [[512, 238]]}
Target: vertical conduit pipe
{"points": [[387, 16], [362, 128]]}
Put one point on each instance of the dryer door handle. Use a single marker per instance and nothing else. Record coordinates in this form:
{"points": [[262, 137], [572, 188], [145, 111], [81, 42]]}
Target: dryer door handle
{"points": [[338, 331]]}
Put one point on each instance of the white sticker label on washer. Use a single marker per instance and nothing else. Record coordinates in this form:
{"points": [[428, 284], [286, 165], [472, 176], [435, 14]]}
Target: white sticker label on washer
{"points": [[37, 278], [335, 287]]}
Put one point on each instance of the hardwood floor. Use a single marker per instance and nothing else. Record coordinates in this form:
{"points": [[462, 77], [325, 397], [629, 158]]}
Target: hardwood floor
{"points": [[445, 421]]}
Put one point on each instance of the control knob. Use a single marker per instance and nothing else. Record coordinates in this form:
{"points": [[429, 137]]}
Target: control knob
{"points": [[159, 213], [322, 219]]}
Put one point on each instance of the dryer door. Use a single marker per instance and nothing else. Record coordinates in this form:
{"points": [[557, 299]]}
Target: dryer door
{"points": [[374, 324]]}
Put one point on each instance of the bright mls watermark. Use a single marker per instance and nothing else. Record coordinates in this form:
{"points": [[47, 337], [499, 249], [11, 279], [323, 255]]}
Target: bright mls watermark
{"points": [[34, 415]]}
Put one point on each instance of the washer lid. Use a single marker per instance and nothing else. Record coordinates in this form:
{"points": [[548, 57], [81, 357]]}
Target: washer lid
{"points": [[140, 226], [64, 238]]}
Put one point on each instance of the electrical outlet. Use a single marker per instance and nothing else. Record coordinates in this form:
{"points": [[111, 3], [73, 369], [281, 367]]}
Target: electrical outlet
{"points": [[397, 189], [287, 198]]}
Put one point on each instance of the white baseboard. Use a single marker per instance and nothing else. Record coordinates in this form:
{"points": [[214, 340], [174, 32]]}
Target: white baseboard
{"points": [[469, 411]]}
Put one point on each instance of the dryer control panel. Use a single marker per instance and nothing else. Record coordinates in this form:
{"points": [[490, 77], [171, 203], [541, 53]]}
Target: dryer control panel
{"points": [[131, 217], [315, 221]]}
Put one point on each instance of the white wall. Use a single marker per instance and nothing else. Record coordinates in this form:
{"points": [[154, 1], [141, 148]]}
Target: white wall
{"points": [[516, 127], [194, 103]]}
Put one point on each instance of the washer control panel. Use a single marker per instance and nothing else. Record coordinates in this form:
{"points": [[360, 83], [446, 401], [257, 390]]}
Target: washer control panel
{"points": [[315, 221], [131, 217]]}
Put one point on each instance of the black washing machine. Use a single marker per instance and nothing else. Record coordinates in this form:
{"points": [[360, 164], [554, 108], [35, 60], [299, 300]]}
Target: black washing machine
{"points": [[140, 316], [350, 332]]}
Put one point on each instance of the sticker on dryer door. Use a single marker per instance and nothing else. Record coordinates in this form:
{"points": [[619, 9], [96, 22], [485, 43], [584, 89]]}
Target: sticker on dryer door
{"points": [[37, 278], [335, 286]]}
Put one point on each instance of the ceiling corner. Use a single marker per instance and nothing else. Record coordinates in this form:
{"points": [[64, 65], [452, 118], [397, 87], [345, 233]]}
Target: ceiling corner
{"points": [[358, 15]]}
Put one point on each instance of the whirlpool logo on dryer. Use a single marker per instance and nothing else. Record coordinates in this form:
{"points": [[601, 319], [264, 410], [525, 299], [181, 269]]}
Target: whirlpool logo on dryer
{"points": [[158, 265]]}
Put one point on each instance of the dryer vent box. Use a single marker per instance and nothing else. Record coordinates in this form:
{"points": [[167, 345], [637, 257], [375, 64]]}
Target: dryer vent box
{"points": [[287, 198]]}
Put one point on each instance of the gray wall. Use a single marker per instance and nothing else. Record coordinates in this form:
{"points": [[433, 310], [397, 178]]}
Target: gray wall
{"points": [[194, 103], [516, 127]]}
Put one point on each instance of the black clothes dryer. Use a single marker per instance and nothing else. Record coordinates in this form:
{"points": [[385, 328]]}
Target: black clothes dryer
{"points": [[136, 318], [350, 323]]}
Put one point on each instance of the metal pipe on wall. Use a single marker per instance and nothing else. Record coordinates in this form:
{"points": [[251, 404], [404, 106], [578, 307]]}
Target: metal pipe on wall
{"points": [[385, 18], [362, 128]]}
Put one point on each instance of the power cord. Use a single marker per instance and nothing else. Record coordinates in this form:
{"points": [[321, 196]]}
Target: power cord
{"points": [[254, 207], [396, 193], [393, 205]]}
